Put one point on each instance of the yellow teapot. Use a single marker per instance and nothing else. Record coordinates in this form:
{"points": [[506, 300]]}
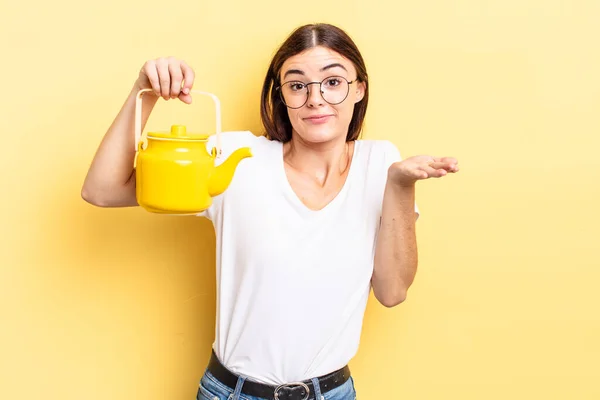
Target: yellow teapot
{"points": [[175, 173]]}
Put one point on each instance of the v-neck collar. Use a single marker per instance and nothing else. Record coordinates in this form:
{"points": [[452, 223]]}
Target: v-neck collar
{"points": [[297, 202]]}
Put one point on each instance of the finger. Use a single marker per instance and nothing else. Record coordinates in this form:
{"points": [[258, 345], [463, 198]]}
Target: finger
{"points": [[186, 98], [176, 78], [150, 71], [164, 78], [188, 77], [433, 172], [417, 173], [449, 167], [441, 165], [451, 161]]}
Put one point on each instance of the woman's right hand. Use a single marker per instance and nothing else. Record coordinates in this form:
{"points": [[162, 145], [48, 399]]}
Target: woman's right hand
{"points": [[168, 77]]}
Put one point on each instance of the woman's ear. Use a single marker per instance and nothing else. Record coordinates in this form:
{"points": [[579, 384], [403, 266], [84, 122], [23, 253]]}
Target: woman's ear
{"points": [[360, 91]]}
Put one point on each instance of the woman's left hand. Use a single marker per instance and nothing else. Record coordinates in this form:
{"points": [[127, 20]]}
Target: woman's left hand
{"points": [[407, 172]]}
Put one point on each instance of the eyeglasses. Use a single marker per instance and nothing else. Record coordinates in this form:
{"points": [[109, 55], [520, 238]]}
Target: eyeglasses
{"points": [[334, 90]]}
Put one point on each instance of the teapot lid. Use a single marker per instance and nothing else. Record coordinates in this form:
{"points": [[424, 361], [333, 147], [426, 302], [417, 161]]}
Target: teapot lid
{"points": [[179, 132]]}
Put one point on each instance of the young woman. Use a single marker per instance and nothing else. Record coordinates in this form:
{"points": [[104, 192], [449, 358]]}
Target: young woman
{"points": [[309, 224]]}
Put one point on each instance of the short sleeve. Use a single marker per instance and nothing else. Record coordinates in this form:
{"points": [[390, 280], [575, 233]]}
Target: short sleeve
{"points": [[392, 155]]}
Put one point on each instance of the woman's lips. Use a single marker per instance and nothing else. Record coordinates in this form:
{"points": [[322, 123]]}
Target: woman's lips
{"points": [[318, 119]]}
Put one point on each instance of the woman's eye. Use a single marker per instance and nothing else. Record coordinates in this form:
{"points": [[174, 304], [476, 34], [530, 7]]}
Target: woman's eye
{"points": [[333, 82], [297, 86]]}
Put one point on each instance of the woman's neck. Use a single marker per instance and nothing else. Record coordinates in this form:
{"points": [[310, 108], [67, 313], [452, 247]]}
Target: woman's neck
{"points": [[319, 160]]}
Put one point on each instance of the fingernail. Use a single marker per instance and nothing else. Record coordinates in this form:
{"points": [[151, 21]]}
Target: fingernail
{"points": [[186, 90]]}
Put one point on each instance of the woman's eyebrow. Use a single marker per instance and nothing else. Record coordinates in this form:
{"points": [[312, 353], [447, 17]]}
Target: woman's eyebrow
{"points": [[325, 68], [333, 66], [293, 71]]}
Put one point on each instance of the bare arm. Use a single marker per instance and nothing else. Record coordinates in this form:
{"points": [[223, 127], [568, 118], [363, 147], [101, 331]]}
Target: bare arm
{"points": [[396, 255], [110, 181]]}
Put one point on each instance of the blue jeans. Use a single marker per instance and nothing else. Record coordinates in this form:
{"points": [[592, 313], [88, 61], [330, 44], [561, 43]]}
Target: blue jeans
{"points": [[211, 389]]}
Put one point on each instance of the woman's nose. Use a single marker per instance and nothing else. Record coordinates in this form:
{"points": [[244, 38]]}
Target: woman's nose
{"points": [[315, 97]]}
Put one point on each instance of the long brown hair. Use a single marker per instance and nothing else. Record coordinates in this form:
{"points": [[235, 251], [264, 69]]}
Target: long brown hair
{"points": [[272, 110]]}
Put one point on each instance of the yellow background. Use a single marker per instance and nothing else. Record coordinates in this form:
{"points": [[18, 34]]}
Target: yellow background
{"points": [[119, 304]]}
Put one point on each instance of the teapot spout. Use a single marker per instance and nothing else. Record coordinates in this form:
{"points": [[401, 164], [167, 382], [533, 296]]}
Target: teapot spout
{"points": [[223, 174]]}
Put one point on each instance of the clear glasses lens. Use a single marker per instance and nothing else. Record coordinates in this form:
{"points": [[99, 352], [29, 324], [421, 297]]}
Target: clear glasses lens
{"points": [[334, 90]]}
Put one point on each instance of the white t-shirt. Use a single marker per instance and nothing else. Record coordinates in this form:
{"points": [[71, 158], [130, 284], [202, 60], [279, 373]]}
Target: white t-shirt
{"points": [[293, 283]]}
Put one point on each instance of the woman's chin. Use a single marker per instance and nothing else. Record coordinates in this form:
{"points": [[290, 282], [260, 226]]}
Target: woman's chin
{"points": [[318, 135]]}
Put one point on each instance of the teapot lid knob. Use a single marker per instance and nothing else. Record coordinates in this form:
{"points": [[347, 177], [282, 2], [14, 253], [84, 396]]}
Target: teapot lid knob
{"points": [[178, 131]]}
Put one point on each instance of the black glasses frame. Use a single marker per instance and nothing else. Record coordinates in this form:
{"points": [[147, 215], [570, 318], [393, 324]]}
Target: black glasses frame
{"points": [[278, 88]]}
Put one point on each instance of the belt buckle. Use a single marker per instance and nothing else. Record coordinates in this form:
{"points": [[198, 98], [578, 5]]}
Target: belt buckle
{"points": [[292, 385]]}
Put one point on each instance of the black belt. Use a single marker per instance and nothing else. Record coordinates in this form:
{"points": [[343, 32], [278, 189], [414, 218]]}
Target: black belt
{"points": [[290, 391]]}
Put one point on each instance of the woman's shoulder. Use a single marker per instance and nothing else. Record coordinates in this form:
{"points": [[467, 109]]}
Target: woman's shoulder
{"points": [[234, 138], [382, 145], [230, 141], [379, 151]]}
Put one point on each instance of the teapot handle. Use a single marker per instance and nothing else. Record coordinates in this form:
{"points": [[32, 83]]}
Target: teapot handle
{"points": [[138, 117]]}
